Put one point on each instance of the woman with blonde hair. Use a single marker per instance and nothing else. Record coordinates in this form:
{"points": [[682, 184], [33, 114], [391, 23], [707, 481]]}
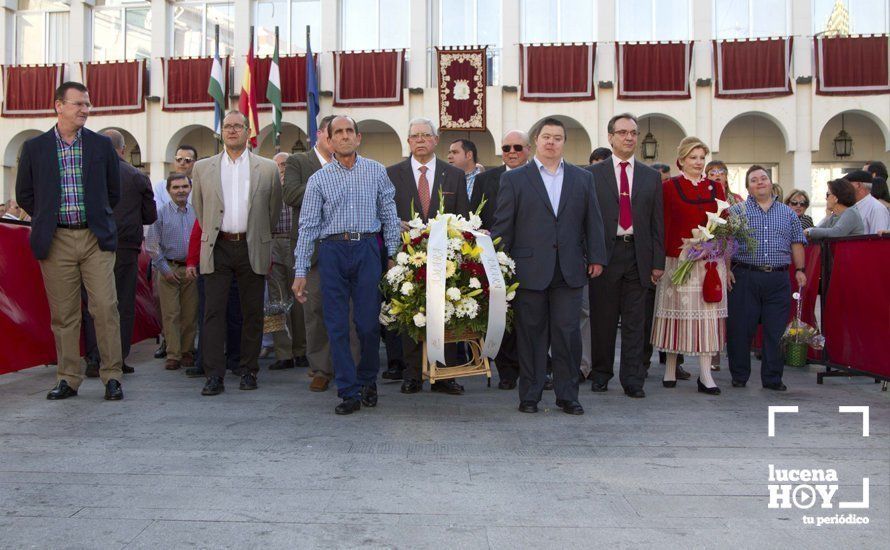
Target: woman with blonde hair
{"points": [[684, 322]]}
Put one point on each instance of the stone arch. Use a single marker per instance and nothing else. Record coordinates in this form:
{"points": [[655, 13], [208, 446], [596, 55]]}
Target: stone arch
{"points": [[786, 141], [290, 135], [130, 143], [667, 131], [755, 138], [485, 144], [198, 136], [380, 141], [14, 147], [871, 140], [578, 143]]}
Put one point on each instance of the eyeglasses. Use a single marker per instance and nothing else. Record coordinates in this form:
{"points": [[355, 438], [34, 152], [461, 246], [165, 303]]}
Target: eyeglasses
{"points": [[625, 133], [516, 148], [235, 127], [798, 203], [717, 171], [419, 137], [79, 104], [187, 160]]}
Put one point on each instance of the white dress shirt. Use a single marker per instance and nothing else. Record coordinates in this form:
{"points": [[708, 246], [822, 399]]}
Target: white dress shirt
{"points": [[875, 215], [320, 156], [616, 164], [552, 182], [235, 191], [430, 173]]}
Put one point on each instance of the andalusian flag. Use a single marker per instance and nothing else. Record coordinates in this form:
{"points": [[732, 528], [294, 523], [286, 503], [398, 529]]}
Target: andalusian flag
{"points": [[273, 90], [216, 89], [247, 101]]}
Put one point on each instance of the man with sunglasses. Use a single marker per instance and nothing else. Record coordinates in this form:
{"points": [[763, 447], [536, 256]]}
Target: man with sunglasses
{"points": [[183, 162]]}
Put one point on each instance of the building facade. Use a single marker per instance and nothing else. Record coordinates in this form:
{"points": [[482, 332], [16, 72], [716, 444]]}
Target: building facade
{"points": [[792, 135]]}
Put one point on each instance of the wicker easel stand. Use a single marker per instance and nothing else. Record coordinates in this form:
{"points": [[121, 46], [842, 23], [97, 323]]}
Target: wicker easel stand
{"points": [[477, 366]]}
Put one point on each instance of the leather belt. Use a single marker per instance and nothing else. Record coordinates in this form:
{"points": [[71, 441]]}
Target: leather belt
{"points": [[625, 238], [176, 262], [761, 268], [349, 236], [232, 236], [81, 225]]}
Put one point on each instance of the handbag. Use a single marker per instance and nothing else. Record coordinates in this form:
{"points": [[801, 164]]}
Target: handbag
{"points": [[712, 286]]}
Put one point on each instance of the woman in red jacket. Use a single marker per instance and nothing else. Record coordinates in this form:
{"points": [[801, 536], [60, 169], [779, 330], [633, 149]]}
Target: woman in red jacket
{"points": [[684, 322]]}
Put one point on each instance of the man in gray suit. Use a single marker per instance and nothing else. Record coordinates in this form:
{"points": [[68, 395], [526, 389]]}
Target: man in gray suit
{"points": [[237, 200], [548, 217], [418, 180], [630, 196]]}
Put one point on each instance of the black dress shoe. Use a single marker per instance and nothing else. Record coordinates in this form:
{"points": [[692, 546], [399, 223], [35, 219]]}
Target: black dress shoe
{"points": [[411, 386], [348, 406], [778, 386], [570, 407], [669, 383], [682, 374], [161, 352], [451, 387], [548, 382], [248, 382], [394, 371], [282, 364], [113, 391], [635, 392], [369, 395], [300, 361], [738, 384], [127, 369], [596, 387], [194, 372], [92, 370], [61, 391], [528, 407], [214, 386], [507, 385], [704, 389]]}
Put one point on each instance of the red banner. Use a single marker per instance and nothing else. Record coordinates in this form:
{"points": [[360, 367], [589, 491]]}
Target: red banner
{"points": [[557, 73], [749, 69], [25, 334], [292, 71], [462, 81], [186, 81], [654, 70], [852, 65], [364, 79], [117, 87], [30, 91]]}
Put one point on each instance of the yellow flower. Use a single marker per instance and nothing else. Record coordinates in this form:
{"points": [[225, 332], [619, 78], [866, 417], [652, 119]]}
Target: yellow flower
{"points": [[450, 268], [418, 258], [471, 251]]}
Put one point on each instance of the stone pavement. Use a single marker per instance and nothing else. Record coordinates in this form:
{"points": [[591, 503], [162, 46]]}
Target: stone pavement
{"points": [[275, 468]]}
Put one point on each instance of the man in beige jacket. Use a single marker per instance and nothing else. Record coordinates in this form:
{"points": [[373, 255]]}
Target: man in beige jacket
{"points": [[237, 200]]}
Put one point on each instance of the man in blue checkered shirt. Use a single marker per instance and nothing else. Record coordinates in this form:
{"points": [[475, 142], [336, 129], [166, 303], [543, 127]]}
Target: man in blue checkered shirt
{"points": [[348, 203], [760, 289]]}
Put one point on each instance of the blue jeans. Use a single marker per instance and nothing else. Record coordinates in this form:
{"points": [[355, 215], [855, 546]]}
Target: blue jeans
{"points": [[757, 297], [351, 270]]}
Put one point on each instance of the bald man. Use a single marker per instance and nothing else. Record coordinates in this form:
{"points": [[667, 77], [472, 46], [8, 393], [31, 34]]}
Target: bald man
{"points": [[290, 346], [135, 209]]}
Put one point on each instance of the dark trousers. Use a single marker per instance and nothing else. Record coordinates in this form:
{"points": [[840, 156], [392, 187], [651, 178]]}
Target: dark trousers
{"points": [[233, 327], [126, 269], [618, 294], [506, 360], [549, 318], [230, 261], [391, 337], [757, 297], [351, 270]]}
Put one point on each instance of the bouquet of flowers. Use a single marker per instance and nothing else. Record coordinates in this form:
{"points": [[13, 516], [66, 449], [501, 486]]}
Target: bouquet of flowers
{"points": [[467, 288], [718, 239]]}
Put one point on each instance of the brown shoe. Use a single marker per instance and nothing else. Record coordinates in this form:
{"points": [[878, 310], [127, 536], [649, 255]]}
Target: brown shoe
{"points": [[319, 383], [188, 359], [172, 364]]}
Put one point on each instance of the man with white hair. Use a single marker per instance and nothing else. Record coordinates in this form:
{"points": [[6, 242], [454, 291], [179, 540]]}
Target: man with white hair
{"points": [[875, 215], [419, 180]]}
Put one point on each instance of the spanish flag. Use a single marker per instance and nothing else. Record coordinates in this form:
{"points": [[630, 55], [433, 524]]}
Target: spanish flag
{"points": [[247, 100]]}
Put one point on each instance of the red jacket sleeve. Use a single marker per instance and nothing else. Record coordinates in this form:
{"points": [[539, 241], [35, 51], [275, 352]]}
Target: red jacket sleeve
{"points": [[194, 254]]}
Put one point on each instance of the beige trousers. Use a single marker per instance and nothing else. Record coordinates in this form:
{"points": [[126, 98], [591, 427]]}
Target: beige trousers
{"points": [[179, 312]]}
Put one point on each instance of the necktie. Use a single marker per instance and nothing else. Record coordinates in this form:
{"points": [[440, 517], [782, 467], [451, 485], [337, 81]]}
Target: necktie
{"points": [[423, 189], [625, 215]]}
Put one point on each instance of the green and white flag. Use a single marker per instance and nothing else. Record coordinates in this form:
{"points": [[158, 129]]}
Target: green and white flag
{"points": [[215, 90], [273, 90]]}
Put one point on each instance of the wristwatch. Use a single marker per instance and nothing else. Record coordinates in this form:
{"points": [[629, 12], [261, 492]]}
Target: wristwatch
{"points": [[801, 269]]}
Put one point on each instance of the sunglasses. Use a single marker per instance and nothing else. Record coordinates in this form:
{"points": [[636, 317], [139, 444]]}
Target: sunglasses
{"points": [[798, 203], [187, 160], [516, 148]]}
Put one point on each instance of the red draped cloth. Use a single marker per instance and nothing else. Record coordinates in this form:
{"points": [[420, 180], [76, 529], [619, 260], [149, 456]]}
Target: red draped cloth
{"points": [[364, 79], [557, 72], [852, 65], [30, 91], [749, 69], [292, 72], [117, 87], [654, 70], [185, 83]]}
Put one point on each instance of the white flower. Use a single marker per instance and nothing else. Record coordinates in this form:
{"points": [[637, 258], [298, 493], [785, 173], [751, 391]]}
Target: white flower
{"points": [[503, 259], [418, 258], [721, 206], [420, 320], [455, 244], [385, 318], [467, 307], [475, 221], [402, 258], [715, 218], [416, 223], [414, 233], [474, 283], [449, 311], [407, 288], [705, 233], [395, 275], [511, 295], [453, 294]]}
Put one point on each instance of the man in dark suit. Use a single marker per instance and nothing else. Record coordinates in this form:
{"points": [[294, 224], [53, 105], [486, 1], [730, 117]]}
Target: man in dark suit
{"points": [[515, 148], [419, 180], [135, 208], [548, 217], [630, 197], [69, 182]]}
